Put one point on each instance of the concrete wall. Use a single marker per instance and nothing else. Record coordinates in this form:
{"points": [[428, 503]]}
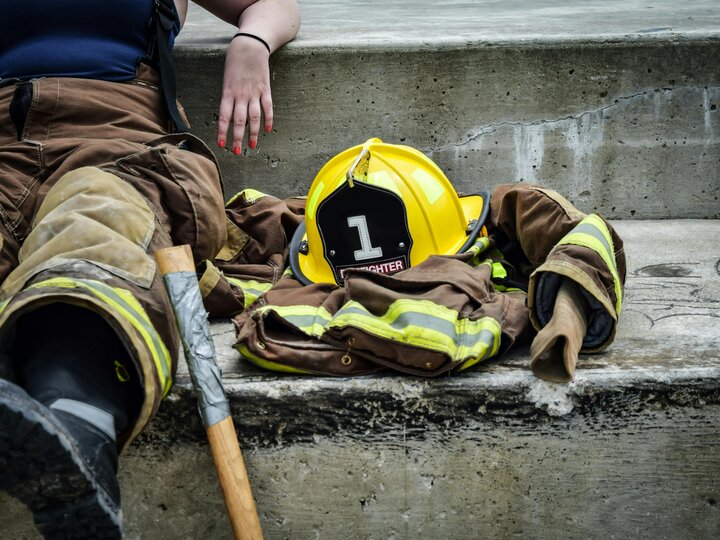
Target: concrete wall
{"points": [[639, 461], [610, 472], [631, 130]]}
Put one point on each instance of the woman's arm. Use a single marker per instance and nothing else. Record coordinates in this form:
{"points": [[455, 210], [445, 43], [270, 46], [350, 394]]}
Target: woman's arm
{"points": [[246, 82]]}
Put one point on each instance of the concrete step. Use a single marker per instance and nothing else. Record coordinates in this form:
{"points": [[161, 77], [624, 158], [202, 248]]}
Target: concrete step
{"points": [[630, 448], [613, 103]]}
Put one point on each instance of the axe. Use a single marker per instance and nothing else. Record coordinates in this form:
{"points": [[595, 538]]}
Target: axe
{"points": [[178, 271]]}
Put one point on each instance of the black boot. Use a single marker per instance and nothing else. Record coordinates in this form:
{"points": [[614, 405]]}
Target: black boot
{"points": [[61, 467], [58, 432]]}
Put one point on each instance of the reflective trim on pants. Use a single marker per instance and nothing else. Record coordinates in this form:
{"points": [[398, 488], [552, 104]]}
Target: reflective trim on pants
{"points": [[122, 302]]}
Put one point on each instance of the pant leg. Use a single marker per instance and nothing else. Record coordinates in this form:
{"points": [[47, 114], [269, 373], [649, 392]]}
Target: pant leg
{"points": [[104, 204], [20, 167]]}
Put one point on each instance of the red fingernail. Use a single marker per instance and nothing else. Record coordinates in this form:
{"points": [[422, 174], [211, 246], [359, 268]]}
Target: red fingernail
{"points": [[268, 128], [221, 143], [252, 144], [236, 150]]}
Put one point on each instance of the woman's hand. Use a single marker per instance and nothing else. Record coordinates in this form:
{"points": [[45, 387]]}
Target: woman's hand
{"points": [[246, 95]]}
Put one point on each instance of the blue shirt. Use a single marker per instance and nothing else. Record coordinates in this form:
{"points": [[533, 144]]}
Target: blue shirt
{"points": [[97, 39]]}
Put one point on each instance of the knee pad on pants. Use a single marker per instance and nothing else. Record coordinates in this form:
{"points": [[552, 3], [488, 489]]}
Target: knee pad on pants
{"points": [[88, 215]]}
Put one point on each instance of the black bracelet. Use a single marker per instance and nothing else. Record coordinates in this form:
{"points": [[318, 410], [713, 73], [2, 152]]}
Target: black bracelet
{"points": [[261, 40]]}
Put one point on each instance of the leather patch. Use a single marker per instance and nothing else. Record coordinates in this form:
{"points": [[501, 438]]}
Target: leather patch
{"points": [[236, 240]]}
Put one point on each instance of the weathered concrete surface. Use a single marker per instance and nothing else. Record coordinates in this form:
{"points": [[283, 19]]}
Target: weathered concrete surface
{"points": [[403, 23], [615, 104], [630, 448]]}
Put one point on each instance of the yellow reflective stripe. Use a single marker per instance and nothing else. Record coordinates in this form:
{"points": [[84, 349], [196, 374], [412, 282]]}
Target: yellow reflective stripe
{"points": [[423, 323], [313, 200], [470, 362], [125, 304], [251, 195], [252, 290], [503, 288], [308, 319], [593, 234], [267, 364], [420, 323], [4, 305], [498, 270]]}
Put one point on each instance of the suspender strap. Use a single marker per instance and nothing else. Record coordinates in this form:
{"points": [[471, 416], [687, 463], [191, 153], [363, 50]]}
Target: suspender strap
{"points": [[165, 18]]}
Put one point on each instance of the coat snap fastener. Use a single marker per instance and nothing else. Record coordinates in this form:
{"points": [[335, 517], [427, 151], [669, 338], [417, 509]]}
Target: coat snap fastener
{"points": [[261, 345], [346, 360]]}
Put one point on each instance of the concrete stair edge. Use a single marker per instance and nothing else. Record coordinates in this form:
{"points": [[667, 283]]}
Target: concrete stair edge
{"points": [[675, 360]]}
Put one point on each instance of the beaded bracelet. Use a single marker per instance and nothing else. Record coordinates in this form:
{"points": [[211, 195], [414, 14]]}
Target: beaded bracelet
{"points": [[261, 40]]}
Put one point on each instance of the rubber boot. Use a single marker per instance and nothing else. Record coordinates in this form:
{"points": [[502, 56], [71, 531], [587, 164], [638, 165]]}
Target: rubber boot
{"points": [[554, 351], [58, 432], [50, 469]]}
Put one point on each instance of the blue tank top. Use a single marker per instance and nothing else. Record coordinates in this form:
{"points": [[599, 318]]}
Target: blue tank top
{"points": [[97, 39]]}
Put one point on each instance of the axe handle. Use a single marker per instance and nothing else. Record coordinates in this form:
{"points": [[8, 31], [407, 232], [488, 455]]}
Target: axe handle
{"points": [[175, 259], [222, 436], [234, 480]]}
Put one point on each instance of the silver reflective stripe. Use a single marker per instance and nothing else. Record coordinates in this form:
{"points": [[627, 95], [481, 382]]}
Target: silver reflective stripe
{"points": [[593, 231], [89, 413], [305, 321], [413, 318]]}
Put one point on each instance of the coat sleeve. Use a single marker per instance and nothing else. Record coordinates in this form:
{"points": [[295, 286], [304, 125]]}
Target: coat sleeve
{"points": [[560, 242], [254, 254]]}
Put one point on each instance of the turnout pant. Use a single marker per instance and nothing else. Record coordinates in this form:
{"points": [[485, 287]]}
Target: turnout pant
{"points": [[91, 185]]}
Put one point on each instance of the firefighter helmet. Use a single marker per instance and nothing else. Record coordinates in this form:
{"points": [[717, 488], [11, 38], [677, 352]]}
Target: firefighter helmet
{"points": [[381, 207]]}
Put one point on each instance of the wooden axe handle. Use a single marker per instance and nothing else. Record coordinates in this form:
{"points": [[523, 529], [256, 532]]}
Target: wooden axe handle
{"points": [[222, 436], [234, 480], [175, 259]]}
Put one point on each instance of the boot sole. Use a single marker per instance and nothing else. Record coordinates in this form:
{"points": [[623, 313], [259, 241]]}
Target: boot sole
{"points": [[41, 466]]}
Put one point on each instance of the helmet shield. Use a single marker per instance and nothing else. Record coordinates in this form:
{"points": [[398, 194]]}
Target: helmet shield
{"points": [[364, 227]]}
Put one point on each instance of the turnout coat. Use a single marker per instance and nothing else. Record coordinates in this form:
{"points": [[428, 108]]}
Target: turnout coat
{"points": [[447, 313]]}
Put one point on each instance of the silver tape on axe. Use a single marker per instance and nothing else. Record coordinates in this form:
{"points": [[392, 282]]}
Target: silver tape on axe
{"points": [[198, 346]]}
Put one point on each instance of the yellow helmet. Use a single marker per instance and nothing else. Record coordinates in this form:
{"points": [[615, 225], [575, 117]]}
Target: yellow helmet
{"points": [[381, 207]]}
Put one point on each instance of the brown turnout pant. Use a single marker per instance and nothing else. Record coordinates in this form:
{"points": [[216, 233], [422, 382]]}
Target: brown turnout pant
{"points": [[91, 184]]}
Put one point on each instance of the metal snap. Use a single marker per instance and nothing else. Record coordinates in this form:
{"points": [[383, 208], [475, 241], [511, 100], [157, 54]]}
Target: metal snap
{"points": [[346, 360], [261, 345]]}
